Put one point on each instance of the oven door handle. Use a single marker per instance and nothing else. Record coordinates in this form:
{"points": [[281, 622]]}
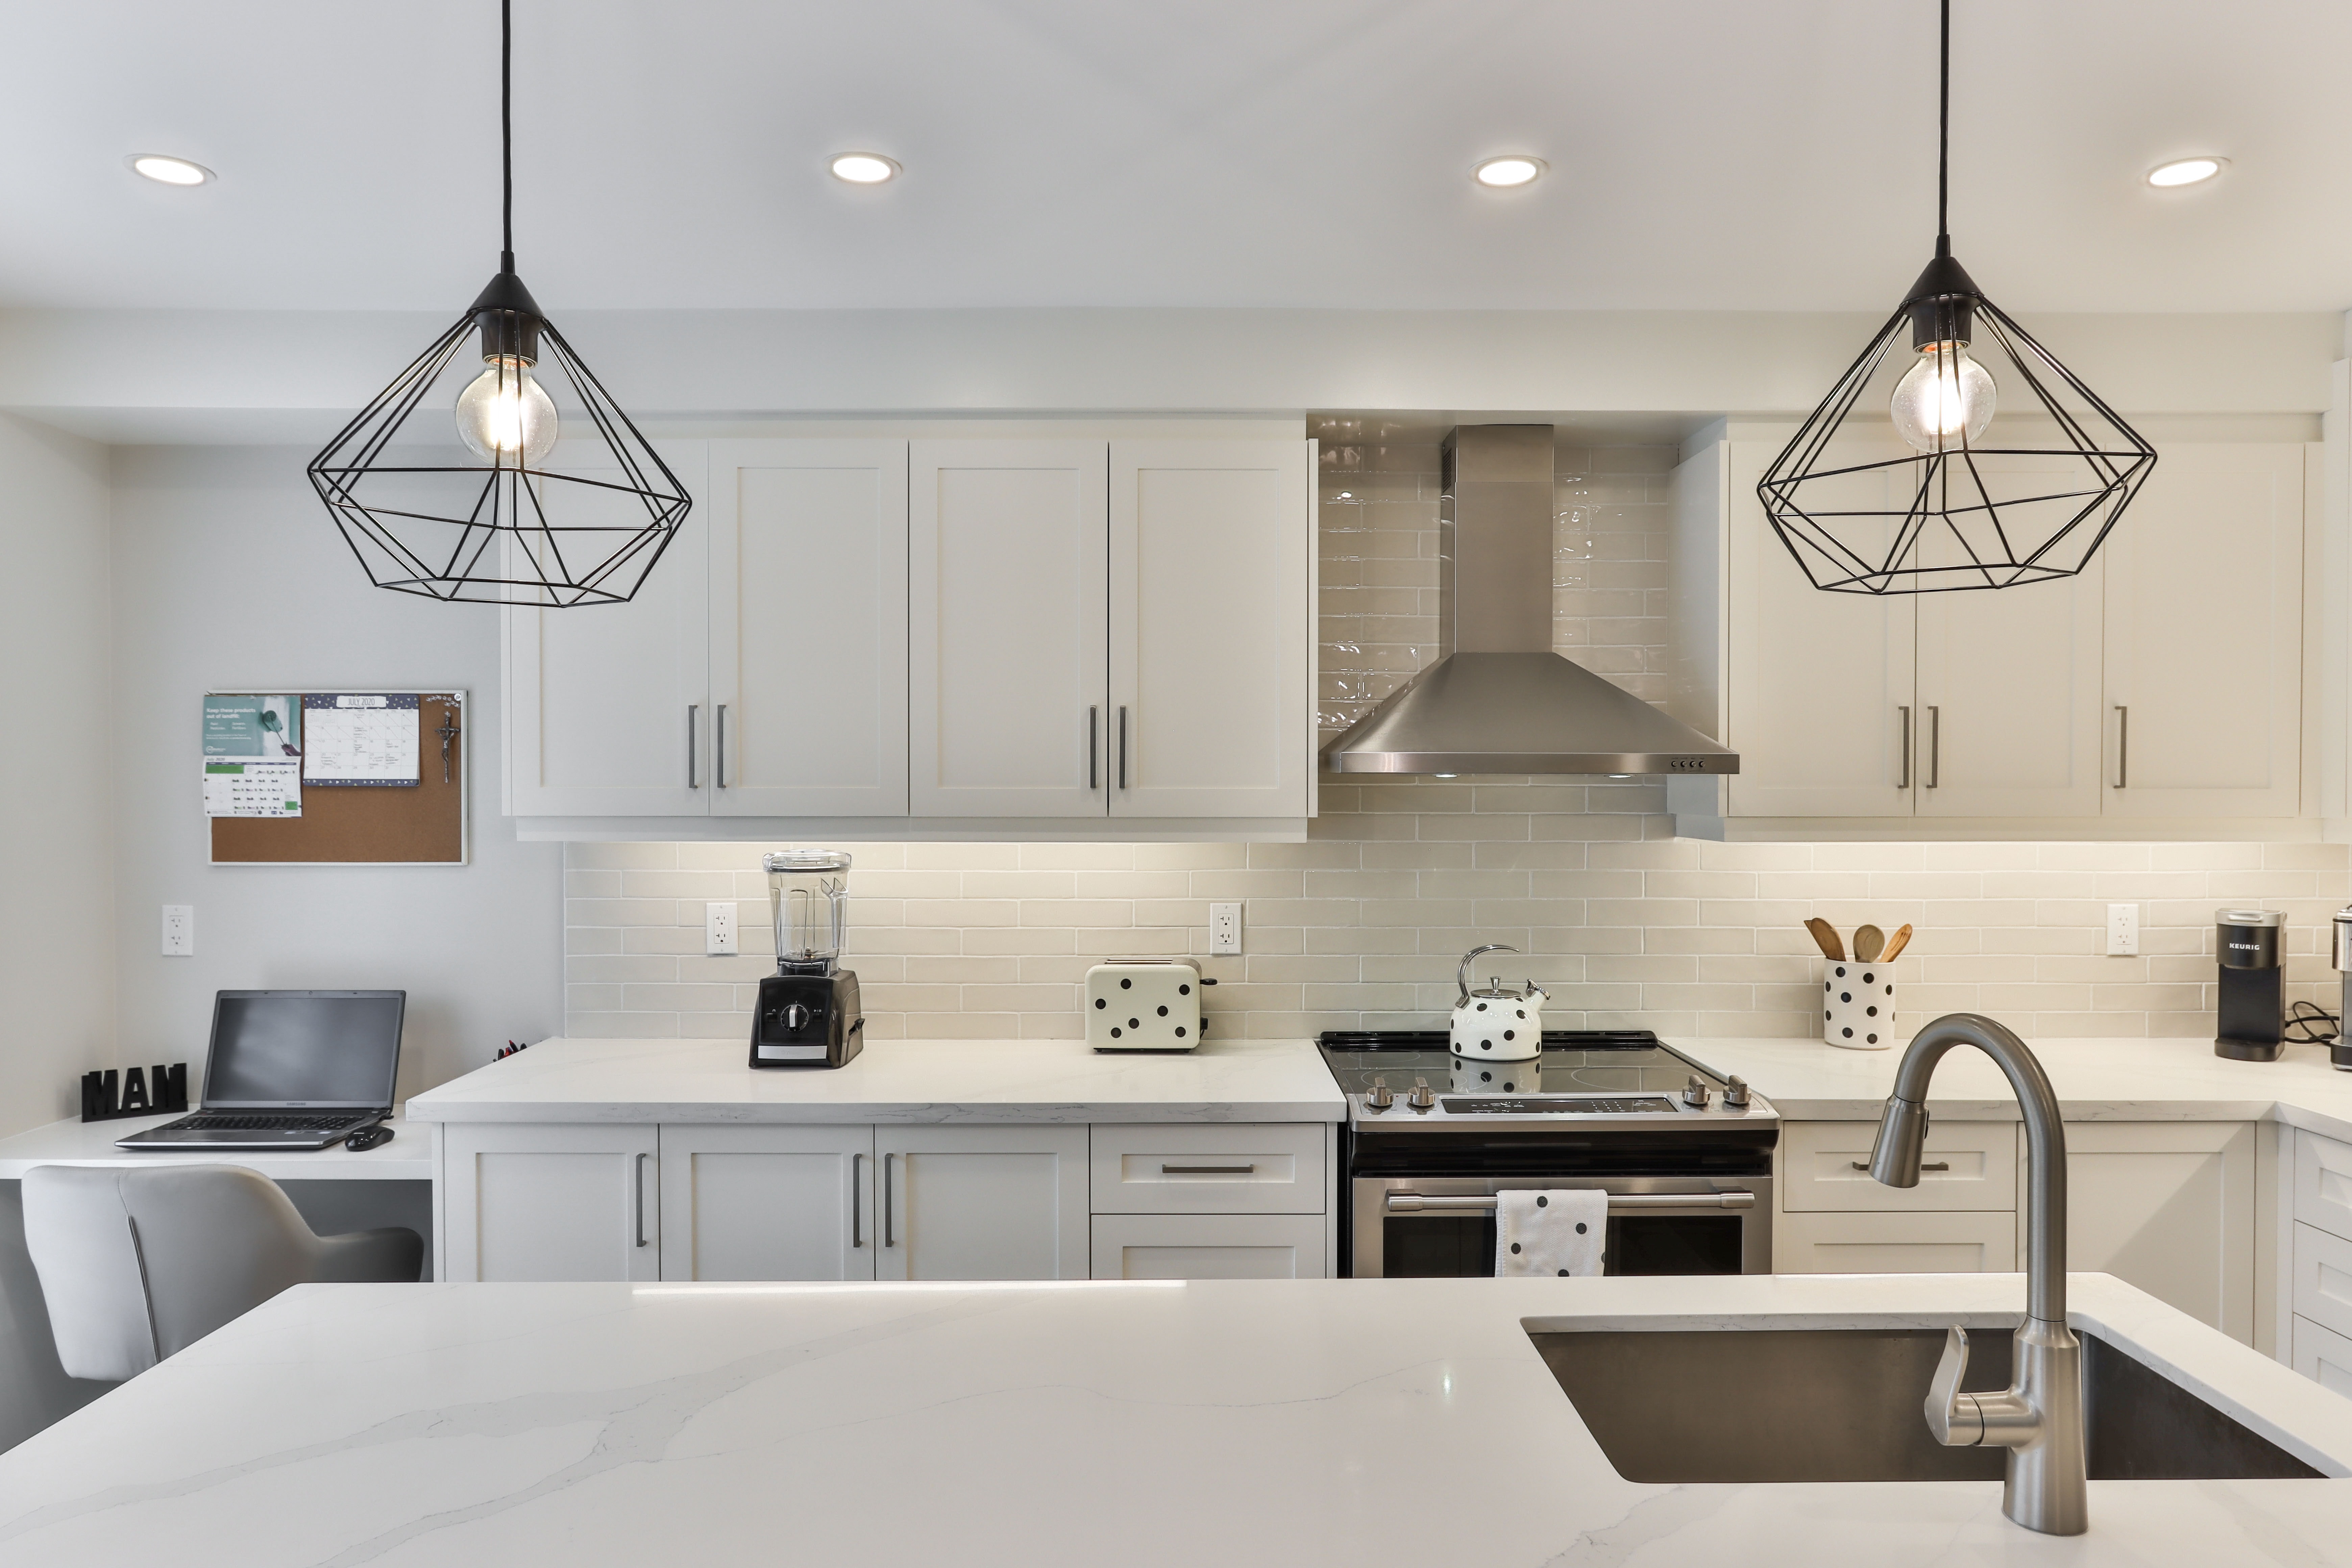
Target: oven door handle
{"points": [[1619, 1202]]}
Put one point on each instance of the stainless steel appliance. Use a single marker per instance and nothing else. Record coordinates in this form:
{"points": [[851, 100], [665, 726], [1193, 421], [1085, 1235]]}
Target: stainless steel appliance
{"points": [[808, 1013], [1685, 1153], [2339, 1050], [2250, 1017]]}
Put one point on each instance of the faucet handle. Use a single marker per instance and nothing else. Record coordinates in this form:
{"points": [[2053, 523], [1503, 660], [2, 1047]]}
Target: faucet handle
{"points": [[1954, 1417]]}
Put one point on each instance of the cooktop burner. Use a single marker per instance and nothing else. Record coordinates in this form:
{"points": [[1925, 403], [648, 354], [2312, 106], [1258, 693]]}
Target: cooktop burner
{"points": [[1585, 1077]]}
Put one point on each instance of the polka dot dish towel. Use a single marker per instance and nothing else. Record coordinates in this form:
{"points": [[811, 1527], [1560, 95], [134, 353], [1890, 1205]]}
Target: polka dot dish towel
{"points": [[1857, 1005], [1550, 1233]]}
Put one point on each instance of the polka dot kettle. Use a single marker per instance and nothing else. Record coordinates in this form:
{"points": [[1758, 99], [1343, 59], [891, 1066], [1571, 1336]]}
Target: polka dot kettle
{"points": [[1500, 1022]]}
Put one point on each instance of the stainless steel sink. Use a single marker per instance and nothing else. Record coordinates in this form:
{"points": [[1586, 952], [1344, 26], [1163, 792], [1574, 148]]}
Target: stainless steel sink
{"points": [[1845, 1405]]}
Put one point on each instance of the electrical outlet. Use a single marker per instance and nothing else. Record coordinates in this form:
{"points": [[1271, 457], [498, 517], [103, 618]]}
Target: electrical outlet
{"points": [[2123, 929], [719, 930], [179, 930], [1224, 928]]}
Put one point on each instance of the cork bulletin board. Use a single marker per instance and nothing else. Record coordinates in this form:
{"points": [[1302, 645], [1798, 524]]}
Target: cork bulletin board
{"points": [[347, 823]]}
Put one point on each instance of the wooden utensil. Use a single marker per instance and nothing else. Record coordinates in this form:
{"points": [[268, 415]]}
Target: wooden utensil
{"points": [[1826, 935], [1869, 942], [1895, 947]]}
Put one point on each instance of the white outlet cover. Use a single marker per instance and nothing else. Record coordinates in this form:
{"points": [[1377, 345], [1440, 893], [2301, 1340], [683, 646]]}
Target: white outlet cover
{"points": [[719, 930], [1224, 928], [179, 930], [2123, 929]]}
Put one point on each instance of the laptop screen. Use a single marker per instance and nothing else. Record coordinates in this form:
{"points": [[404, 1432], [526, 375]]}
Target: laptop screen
{"points": [[304, 1047]]}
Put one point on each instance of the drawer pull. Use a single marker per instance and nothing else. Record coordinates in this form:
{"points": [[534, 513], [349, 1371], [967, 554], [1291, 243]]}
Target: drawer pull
{"points": [[1207, 1170], [1938, 1165]]}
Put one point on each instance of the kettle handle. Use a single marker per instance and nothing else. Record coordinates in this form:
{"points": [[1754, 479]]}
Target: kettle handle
{"points": [[1462, 975]]}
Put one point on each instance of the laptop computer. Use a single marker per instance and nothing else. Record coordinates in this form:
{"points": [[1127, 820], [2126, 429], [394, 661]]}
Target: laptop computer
{"points": [[291, 1069]]}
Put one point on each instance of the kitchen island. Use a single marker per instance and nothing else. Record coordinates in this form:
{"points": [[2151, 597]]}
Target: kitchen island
{"points": [[1327, 1422]]}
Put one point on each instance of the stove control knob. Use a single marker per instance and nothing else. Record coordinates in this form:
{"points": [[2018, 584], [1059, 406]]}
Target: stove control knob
{"points": [[1735, 1094], [1695, 1093], [1379, 1098], [1422, 1097]]}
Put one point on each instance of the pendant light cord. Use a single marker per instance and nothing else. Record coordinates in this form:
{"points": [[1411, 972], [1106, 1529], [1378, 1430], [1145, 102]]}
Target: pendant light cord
{"points": [[506, 119], [1942, 139]]}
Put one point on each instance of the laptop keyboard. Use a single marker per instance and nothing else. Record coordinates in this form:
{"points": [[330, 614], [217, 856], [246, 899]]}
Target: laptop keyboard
{"points": [[309, 1123]]}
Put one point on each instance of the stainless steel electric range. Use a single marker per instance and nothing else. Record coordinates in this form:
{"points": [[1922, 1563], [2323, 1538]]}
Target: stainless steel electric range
{"points": [[1685, 1153]]}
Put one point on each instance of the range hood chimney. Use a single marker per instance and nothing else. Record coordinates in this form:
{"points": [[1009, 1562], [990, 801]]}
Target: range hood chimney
{"points": [[1498, 700]]}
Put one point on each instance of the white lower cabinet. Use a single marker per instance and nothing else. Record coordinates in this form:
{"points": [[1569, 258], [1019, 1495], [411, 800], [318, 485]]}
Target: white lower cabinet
{"points": [[1210, 1246], [2324, 1356], [981, 1202], [549, 1202], [1927, 1241], [2169, 1207], [767, 1203]]}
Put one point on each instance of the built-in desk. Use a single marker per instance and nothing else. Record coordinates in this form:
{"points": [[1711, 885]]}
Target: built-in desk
{"points": [[407, 1158]]}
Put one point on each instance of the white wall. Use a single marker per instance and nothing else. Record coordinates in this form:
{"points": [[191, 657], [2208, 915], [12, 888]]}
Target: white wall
{"points": [[56, 805], [229, 574]]}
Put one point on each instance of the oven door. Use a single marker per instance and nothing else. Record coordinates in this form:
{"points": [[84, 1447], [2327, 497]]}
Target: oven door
{"points": [[1409, 1226]]}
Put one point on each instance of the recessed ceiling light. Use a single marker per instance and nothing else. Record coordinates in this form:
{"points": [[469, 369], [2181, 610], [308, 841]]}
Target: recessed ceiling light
{"points": [[2186, 170], [1504, 172], [864, 168], [168, 171]]}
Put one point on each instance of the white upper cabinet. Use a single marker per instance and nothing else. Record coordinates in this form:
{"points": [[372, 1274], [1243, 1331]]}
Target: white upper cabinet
{"points": [[808, 628], [2205, 637], [2008, 705], [1008, 589], [1817, 687], [607, 709], [1210, 652]]}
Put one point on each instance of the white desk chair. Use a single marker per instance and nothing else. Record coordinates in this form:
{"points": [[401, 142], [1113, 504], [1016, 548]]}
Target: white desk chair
{"points": [[137, 1265]]}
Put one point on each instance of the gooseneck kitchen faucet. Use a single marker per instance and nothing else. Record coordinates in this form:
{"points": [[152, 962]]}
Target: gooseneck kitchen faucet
{"points": [[2039, 1418]]}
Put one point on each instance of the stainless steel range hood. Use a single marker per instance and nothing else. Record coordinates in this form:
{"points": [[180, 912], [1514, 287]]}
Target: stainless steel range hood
{"points": [[1498, 700]]}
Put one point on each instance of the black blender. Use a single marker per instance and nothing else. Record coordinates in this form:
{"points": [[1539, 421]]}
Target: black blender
{"points": [[808, 1015]]}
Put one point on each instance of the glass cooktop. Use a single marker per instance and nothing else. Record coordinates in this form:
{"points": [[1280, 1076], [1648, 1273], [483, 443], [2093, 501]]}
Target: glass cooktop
{"points": [[1626, 1062]]}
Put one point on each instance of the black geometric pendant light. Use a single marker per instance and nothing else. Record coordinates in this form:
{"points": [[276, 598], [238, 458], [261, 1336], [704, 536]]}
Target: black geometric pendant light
{"points": [[1949, 497], [488, 523]]}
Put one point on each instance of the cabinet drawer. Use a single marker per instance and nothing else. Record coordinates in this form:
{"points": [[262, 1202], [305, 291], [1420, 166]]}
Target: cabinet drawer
{"points": [[2323, 1279], [1244, 1167], [1928, 1243], [1818, 1170], [1210, 1246], [2323, 1183], [2324, 1356]]}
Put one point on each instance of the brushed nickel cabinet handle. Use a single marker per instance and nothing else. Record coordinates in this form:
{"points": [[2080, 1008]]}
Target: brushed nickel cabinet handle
{"points": [[857, 1170], [1122, 748], [637, 1185], [1093, 748], [1905, 781], [1207, 1170], [1935, 746], [2123, 746], [1938, 1165], [692, 709], [888, 1237], [718, 749]]}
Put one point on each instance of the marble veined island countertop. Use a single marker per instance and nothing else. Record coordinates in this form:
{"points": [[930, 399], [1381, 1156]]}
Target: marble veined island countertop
{"points": [[1353, 1424], [919, 1081]]}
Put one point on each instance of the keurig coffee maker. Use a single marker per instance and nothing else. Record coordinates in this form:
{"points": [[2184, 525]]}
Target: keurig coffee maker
{"points": [[808, 1013], [2339, 1049], [2252, 1023]]}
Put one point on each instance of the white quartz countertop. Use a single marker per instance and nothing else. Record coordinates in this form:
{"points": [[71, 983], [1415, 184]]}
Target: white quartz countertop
{"points": [[924, 1081], [2096, 1080], [408, 1157], [1357, 1424]]}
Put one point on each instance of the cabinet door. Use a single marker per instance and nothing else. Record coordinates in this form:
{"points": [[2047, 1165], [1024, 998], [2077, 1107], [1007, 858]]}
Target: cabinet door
{"points": [[607, 709], [2324, 1356], [1208, 1247], [982, 1203], [1210, 628], [1819, 698], [1008, 607], [767, 1203], [1918, 1242], [2205, 637], [2009, 688], [552, 1202], [808, 628], [2169, 1207]]}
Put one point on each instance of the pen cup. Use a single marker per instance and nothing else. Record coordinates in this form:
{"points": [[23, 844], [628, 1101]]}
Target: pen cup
{"points": [[1857, 1005]]}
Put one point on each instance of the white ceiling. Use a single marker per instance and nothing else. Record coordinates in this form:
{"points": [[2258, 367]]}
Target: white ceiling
{"points": [[1739, 154]]}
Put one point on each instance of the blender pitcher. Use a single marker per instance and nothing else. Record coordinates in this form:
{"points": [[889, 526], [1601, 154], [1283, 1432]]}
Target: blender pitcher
{"points": [[808, 1013]]}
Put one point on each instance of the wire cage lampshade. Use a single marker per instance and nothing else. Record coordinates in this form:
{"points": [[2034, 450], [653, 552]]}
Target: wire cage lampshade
{"points": [[1995, 466], [488, 512]]}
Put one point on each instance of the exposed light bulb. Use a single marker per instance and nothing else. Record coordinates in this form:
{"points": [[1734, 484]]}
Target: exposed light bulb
{"points": [[506, 416], [1943, 401]]}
